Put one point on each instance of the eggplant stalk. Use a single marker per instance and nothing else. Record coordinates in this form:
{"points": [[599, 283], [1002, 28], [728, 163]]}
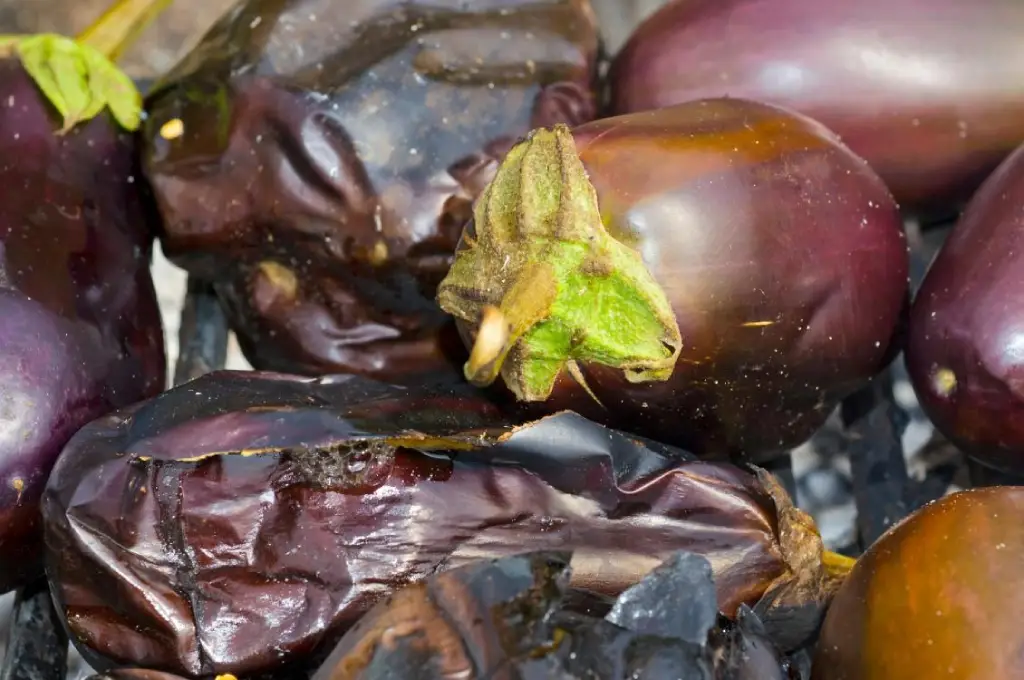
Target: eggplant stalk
{"points": [[548, 285]]}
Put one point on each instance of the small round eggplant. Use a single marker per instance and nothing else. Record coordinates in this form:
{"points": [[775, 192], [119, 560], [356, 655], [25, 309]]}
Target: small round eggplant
{"points": [[930, 93], [80, 332], [965, 343], [938, 596], [322, 190], [717, 275]]}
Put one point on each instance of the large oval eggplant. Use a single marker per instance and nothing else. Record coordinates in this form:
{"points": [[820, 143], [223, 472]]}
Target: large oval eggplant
{"points": [[931, 93], [717, 275], [323, 189], [234, 523], [965, 344], [80, 333]]}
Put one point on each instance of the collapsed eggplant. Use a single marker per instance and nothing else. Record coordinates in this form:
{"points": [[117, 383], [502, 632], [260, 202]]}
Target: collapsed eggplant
{"points": [[235, 523], [930, 93], [323, 189], [80, 330], [506, 618], [717, 274]]}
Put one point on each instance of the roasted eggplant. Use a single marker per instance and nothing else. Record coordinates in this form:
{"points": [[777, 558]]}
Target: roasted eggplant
{"points": [[239, 521], [964, 345], [506, 618], [316, 161], [81, 332], [930, 93], [936, 597], [716, 275]]}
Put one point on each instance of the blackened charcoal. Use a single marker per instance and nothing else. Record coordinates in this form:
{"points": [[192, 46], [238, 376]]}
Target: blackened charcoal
{"points": [[601, 650], [743, 651], [37, 648], [676, 600], [203, 334]]}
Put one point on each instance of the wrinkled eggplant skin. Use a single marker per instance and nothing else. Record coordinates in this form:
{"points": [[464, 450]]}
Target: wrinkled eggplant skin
{"points": [[783, 257], [507, 618], [163, 560], [931, 106], [966, 324], [937, 596], [81, 332], [352, 163], [464, 622]]}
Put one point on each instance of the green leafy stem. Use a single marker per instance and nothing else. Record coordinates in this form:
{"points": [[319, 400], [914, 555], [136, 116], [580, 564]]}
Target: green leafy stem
{"points": [[78, 76]]}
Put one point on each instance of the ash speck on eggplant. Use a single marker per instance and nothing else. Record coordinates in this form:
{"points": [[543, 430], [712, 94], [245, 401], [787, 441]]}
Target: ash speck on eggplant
{"points": [[352, 466]]}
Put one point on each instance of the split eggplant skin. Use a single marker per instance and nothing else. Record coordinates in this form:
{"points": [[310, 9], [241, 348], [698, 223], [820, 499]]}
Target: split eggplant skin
{"points": [[937, 596], [163, 554], [781, 253], [932, 106], [965, 337], [323, 190], [80, 333]]}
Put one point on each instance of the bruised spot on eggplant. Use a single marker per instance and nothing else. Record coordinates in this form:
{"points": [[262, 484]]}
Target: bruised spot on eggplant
{"points": [[944, 381]]}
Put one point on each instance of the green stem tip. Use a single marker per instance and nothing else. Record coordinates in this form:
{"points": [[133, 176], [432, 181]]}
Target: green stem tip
{"points": [[546, 285], [79, 76]]}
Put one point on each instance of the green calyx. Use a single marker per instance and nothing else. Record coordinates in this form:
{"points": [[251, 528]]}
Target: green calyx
{"points": [[78, 80], [546, 284], [78, 77]]}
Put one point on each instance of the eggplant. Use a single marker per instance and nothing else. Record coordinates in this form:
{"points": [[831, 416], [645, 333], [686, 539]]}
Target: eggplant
{"points": [[81, 332], [506, 618], [964, 337], [931, 94], [322, 190], [937, 596], [717, 275], [238, 522]]}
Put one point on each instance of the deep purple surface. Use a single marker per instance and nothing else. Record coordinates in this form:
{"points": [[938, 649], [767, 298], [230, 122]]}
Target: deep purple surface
{"points": [[968, 319], [80, 329], [931, 92]]}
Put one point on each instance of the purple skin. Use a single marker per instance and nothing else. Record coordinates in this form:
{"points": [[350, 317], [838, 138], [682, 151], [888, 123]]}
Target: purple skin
{"points": [[966, 331], [81, 332], [931, 94]]}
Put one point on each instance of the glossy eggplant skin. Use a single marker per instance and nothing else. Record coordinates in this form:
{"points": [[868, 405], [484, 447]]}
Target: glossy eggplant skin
{"points": [[781, 253], [323, 190], [178, 528], [81, 332], [964, 340], [936, 596], [932, 106]]}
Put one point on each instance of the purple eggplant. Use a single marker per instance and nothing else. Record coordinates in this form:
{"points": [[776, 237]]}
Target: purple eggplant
{"points": [[81, 332], [322, 190], [237, 522], [717, 274], [930, 93], [965, 345]]}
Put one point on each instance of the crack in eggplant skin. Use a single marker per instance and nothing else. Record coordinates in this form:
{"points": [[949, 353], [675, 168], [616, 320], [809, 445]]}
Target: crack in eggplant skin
{"points": [[252, 557], [341, 145]]}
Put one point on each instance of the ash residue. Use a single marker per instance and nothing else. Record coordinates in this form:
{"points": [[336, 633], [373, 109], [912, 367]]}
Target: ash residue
{"points": [[353, 466]]}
